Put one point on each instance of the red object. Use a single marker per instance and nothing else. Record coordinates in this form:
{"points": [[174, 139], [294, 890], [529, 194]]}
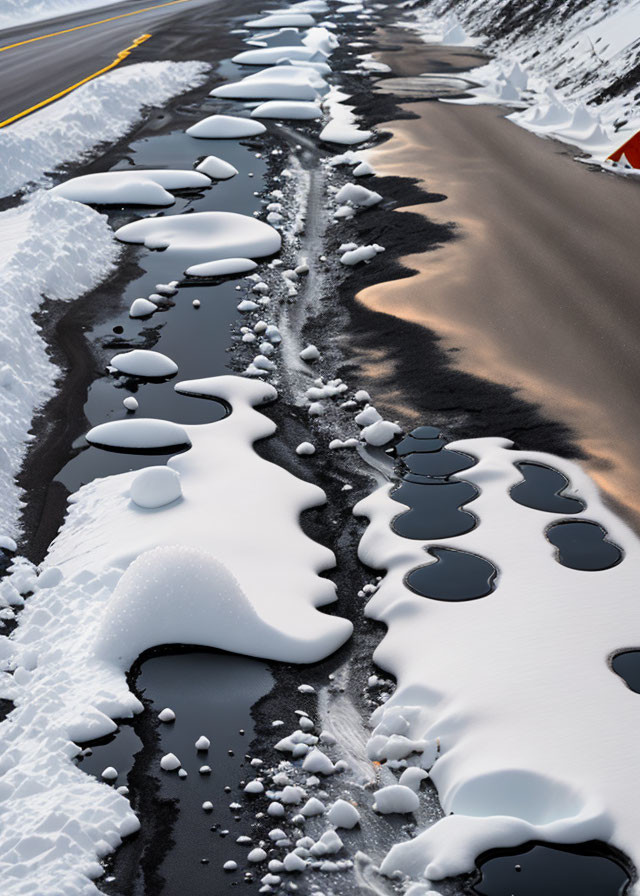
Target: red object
{"points": [[630, 150]]}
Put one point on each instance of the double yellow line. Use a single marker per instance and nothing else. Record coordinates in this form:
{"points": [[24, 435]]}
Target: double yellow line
{"points": [[119, 58]]}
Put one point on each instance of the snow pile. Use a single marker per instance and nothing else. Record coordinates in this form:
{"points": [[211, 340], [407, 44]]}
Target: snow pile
{"points": [[145, 363], [49, 247], [317, 45], [225, 127], [582, 55], [205, 236], [342, 127], [122, 577], [139, 434], [283, 20], [216, 169], [155, 487], [131, 187], [99, 112], [526, 751], [287, 109], [281, 82]]}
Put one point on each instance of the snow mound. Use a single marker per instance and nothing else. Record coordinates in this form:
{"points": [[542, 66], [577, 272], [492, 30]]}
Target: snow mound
{"points": [[276, 55], [216, 169], [346, 134], [283, 20], [287, 109], [48, 247], [533, 769], [290, 82], [138, 187], [358, 196], [141, 434], [155, 487], [101, 111], [145, 363], [205, 236], [181, 595], [142, 308], [222, 268], [227, 127]]}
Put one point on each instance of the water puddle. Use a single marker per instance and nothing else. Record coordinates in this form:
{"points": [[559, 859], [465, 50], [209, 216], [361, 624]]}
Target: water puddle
{"points": [[435, 509], [583, 545], [426, 87], [541, 489], [211, 694], [196, 338], [455, 576], [537, 869], [627, 665]]}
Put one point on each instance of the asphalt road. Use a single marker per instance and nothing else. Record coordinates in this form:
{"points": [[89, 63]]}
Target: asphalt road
{"points": [[541, 289], [34, 71]]}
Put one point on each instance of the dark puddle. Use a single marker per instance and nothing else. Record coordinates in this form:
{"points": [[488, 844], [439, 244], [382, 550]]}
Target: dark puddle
{"points": [[435, 509], [583, 545], [541, 489], [211, 693], [409, 445], [627, 665], [455, 576], [438, 465], [197, 339], [538, 869]]}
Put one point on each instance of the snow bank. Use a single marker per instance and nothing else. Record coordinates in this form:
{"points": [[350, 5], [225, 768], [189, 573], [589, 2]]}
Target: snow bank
{"points": [[205, 236], [532, 725], [583, 55], [131, 187], [129, 577], [290, 82], [49, 247], [97, 113]]}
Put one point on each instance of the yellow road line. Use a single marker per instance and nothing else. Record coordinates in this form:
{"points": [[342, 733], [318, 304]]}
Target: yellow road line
{"points": [[121, 55], [123, 15]]}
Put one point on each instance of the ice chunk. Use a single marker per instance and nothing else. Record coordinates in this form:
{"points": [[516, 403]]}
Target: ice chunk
{"points": [[142, 308], [222, 268], [343, 815], [170, 762], [305, 448]]}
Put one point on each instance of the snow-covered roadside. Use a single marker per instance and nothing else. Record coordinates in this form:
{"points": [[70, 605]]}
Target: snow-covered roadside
{"points": [[49, 247], [99, 112], [20, 12], [122, 578], [53, 247], [568, 74], [535, 733]]}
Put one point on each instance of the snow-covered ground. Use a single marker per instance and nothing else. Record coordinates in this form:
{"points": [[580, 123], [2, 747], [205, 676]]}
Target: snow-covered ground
{"points": [[571, 73], [99, 112], [53, 247], [19, 12]]}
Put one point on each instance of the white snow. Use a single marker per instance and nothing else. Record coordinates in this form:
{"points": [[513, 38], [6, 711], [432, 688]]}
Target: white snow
{"points": [[343, 815], [228, 127], [155, 487], [128, 578], [170, 762], [357, 195], [142, 308], [144, 363], [283, 20], [205, 236], [347, 134], [48, 247], [361, 253], [305, 449], [555, 65], [395, 798], [309, 353], [222, 268], [279, 82], [216, 168], [287, 109], [167, 715], [139, 434], [99, 112], [526, 751], [131, 187]]}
